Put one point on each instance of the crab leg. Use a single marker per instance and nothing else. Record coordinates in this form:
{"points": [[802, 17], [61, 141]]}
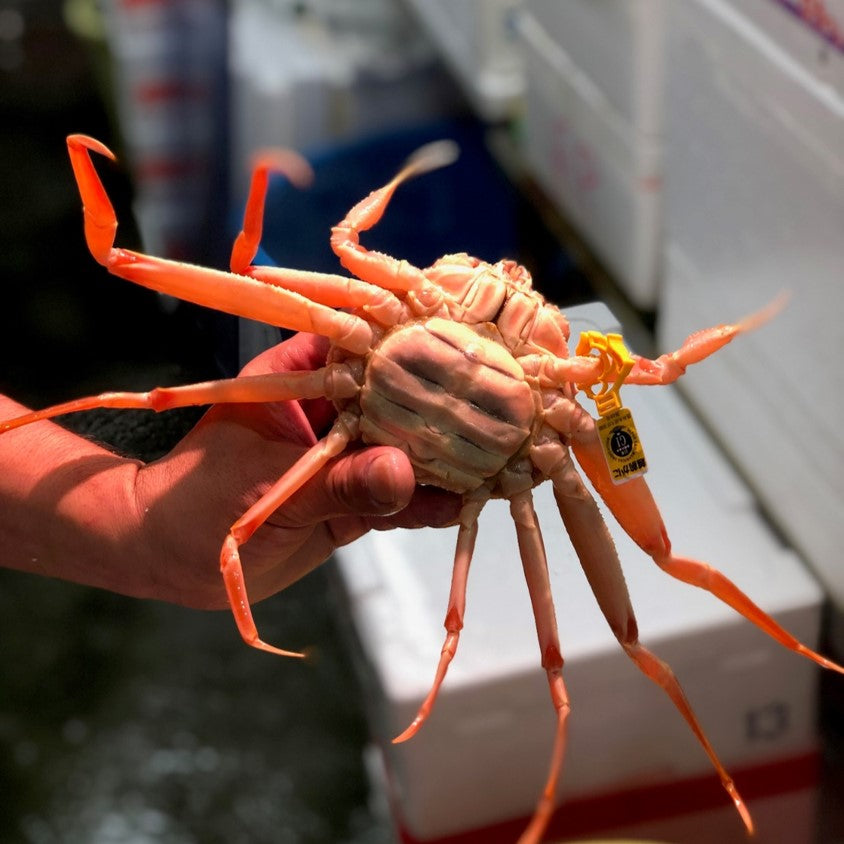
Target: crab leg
{"points": [[233, 294], [591, 369], [373, 266], [535, 566], [635, 510], [333, 290], [302, 471], [696, 347], [599, 559], [281, 386], [466, 536]]}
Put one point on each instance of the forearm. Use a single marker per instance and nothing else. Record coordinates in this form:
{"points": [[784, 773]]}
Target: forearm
{"points": [[67, 507]]}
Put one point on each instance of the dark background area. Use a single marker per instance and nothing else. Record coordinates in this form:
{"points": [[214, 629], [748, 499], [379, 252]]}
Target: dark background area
{"points": [[64, 319]]}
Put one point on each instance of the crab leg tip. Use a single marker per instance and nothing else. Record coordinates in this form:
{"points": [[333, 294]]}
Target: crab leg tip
{"points": [[766, 314], [76, 141], [821, 660], [263, 646], [432, 156], [743, 811], [287, 162], [410, 732]]}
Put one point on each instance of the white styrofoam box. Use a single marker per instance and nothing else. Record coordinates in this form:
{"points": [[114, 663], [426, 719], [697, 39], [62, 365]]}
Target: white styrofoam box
{"points": [[482, 756], [619, 45], [477, 43], [168, 64], [282, 81], [755, 206], [604, 175], [306, 81]]}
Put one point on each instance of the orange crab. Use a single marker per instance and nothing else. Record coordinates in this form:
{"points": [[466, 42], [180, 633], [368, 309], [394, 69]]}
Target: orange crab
{"points": [[467, 369]]}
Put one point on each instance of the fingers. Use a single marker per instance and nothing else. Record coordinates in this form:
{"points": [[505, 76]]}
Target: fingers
{"points": [[371, 488], [376, 481], [428, 507], [372, 482], [301, 351], [379, 485]]}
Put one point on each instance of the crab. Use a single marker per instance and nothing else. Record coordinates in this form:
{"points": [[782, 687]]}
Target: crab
{"points": [[467, 369]]}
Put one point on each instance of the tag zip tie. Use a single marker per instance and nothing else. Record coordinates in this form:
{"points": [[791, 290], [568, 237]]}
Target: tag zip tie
{"points": [[620, 442]]}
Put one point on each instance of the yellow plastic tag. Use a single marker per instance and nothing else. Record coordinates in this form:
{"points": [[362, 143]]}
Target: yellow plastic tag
{"points": [[619, 439], [621, 445]]}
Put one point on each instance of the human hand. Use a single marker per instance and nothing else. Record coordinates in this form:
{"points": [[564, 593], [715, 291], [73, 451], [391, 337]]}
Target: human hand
{"points": [[187, 500]]}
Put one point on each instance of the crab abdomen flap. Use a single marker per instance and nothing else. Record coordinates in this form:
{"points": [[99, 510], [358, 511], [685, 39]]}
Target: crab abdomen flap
{"points": [[452, 398]]}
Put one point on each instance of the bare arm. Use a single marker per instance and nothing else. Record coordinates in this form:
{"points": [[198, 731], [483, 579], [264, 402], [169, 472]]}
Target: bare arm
{"points": [[73, 510], [67, 506]]}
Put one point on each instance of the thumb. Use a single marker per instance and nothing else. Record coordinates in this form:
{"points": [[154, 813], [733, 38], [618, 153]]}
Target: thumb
{"points": [[375, 481]]}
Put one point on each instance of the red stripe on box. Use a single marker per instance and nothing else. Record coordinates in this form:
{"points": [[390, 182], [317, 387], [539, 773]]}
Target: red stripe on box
{"points": [[589, 815]]}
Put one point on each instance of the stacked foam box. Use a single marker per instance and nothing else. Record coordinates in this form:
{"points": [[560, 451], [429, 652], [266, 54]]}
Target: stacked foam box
{"points": [[169, 81], [592, 129], [308, 76], [755, 206], [476, 39], [474, 771]]}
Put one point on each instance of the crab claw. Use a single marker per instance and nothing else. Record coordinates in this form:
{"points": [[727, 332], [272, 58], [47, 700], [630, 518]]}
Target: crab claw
{"points": [[100, 219]]}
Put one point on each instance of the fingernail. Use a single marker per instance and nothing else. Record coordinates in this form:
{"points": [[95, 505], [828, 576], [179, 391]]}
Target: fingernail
{"points": [[381, 483]]}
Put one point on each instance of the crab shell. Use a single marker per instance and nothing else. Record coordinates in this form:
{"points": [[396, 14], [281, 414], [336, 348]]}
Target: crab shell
{"points": [[452, 394]]}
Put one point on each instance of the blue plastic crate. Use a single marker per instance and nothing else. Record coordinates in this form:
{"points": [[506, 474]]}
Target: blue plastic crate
{"points": [[469, 206]]}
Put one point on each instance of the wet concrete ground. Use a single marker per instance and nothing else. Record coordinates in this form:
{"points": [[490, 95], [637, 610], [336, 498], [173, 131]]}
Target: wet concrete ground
{"points": [[124, 722]]}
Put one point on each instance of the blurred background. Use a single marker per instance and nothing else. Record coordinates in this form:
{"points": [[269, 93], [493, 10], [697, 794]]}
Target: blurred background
{"points": [[681, 163]]}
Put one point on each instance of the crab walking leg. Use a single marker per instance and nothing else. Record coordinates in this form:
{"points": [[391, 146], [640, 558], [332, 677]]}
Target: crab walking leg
{"points": [[333, 290], [535, 565], [288, 164], [599, 559], [373, 266], [635, 510], [466, 536], [230, 564], [696, 347], [591, 369], [233, 294], [281, 386], [557, 372]]}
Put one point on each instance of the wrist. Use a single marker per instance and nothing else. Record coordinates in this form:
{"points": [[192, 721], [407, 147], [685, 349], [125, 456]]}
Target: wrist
{"points": [[67, 508]]}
